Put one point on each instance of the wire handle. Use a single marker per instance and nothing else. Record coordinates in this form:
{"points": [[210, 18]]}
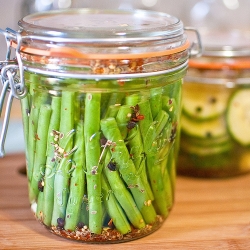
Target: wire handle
{"points": [[12, 78], [195, 49]]}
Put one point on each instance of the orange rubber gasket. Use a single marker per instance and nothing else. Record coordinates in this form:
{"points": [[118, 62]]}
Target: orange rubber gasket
{"points": [[71, 52], [237, 64]]}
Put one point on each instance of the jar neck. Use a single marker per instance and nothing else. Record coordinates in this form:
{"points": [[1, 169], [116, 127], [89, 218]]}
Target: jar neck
{"points": [[104, 68]]}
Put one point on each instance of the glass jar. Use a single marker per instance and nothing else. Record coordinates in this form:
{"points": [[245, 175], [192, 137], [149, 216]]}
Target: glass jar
{"points": [[100, 96], [215, 121]]}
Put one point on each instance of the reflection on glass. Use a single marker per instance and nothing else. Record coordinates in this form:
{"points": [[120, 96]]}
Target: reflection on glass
{"points": [[231, 4], [149, 3]]}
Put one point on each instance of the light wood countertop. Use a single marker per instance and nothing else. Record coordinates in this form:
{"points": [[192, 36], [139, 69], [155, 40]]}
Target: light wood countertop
{"points": [[208, 214]]}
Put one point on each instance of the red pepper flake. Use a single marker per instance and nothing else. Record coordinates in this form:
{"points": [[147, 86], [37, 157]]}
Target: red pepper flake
{"points": [[140, 117], [136, 116], [121, 82], [37, 137], [133, 65], [98, 70]]}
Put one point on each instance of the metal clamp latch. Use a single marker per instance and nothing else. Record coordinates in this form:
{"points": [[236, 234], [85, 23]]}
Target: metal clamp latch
{"points": [[12, 78], [195, 49]]}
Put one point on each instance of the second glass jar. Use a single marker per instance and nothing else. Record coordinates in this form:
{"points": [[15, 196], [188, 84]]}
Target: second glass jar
{"points": [[215, 121]]}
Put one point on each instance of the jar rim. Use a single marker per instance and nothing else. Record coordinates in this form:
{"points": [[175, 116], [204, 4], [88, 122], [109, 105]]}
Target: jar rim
{"points": [[74, 53]]}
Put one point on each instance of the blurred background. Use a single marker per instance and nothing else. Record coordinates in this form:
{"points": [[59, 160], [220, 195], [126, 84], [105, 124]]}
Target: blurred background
{"points": [[211, 14]]}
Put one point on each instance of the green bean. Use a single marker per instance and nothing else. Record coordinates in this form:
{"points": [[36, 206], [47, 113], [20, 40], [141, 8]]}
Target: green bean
{"points": [[114, 99], [37, 100], [33, 121], [122, 194], [155, 101], [112, 110], [157, 184], [127, 169], [39, 208], [48, 191], [171, 163], [132, 100], [135, 144], [170, 106], [61, 190], [41, 146], [147, 126], [137, 152], [122, 119], [62, 174], [92, 152], [77, 182], [152, 129], [161, 121], [51, 163], [166, 142], [84, 215], [114, 209], [167, 182], [104, 101]]}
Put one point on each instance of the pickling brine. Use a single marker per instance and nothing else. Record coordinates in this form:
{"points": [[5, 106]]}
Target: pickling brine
{"points": [[100, 96], [101, 165]]}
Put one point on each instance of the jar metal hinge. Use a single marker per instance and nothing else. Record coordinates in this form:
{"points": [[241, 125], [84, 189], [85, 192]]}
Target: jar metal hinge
{"points": [[12, 78]]}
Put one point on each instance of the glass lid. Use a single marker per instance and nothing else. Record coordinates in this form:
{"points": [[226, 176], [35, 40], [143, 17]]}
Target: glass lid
{"points": [[225, 42], [90, 24]]}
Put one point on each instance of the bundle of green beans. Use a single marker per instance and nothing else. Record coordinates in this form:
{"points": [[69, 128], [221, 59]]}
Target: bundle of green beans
{"points": [[93, 155]]}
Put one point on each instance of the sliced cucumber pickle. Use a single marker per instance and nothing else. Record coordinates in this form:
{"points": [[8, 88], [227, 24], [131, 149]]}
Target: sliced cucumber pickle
{"points": [[238, 116], [206, 150], [207, 142], [204, 129], [204, 101]]}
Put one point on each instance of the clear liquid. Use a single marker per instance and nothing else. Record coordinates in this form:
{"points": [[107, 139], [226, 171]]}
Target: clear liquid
{"points": [[101, 160]]}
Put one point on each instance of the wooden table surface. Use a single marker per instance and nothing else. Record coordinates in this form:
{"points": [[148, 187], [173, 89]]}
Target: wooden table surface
{"points": [[208, 214]]}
